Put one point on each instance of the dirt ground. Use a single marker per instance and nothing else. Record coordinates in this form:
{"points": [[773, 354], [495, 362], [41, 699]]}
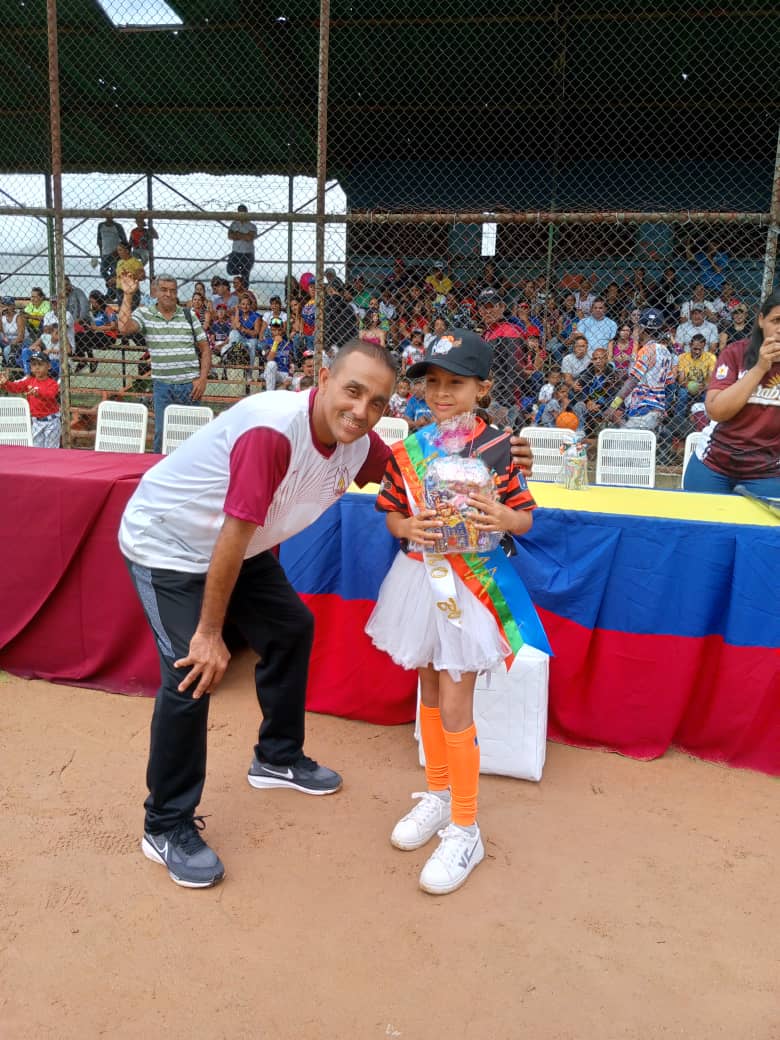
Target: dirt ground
{"points": [[618, 898]]}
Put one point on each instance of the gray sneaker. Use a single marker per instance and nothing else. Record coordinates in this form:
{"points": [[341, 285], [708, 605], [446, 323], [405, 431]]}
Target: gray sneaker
{"points": [[190, 862], [304, 775]]}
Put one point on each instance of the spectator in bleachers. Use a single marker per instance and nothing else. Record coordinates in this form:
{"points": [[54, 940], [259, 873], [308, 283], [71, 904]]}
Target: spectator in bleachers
{"points": [[597, 327], [12, 337], [554, 380], [247, 325], [277, 351], [600, 382], [439, 280], [613, 306], [361, 294], [219, 331], [220, 288], [693, 374], [738, 328], [575, 363], [560, 402], [584, 296], [622, 349], [387, 307], [240, 287], [201, 310], [521, 318], [400, 398], [98, 331], [437, 331], [413, 350], [653, 371], [637, 290], [141, 239], [301, 379], [242, 234], [667, 294], [506, 338], [42, 393], [418, 414], [76, 301], [340, 323], [109, 236], [695, 326], [33, 313], [712, 261], [724, 303], [698, 298], [275, 310], [371, 330]]}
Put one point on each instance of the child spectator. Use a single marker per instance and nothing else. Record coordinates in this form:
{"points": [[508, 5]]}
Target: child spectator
{"points": [[448, 650], [42, 393], [554, 377], [562, 402], [219, 335], [417, 413], [623, 348], [277, 350], [400, 398]]}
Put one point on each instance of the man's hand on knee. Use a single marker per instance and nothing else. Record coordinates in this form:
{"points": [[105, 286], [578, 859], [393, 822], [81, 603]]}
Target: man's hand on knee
{"points": [[207, 660]]}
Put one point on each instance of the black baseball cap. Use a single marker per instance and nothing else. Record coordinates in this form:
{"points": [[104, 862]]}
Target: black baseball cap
{"points": [[458, 350], [38, 356], [489, 296]]}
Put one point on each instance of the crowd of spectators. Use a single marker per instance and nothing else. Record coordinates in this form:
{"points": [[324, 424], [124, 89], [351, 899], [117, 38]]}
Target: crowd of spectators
{"points": [[560, 350]]}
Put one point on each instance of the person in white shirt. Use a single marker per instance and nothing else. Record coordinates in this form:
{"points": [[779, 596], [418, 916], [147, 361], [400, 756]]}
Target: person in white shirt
{"points": [[698, 294], [697, 325], [598, 329], [275, 311]]}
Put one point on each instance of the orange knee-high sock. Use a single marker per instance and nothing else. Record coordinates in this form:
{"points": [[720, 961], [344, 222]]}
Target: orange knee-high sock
{"points": [[432, 734], [463, 761]]}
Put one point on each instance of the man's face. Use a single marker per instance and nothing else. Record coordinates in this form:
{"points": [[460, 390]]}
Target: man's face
{"points": [[599, 360], [697, 348], [307, 368], [166, 296], [352, 398], [580, 348], [597, 310], [698, 292], [238, 284], [491, 311], [36, 298], [697, 317]]}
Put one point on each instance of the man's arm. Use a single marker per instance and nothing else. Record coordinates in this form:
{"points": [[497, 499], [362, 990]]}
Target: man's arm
{"points": [[208, 656], [199, 386], [124, 320]]}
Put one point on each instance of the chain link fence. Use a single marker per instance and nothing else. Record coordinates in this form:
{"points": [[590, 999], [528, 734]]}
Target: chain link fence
{"points": [[581, 161]]}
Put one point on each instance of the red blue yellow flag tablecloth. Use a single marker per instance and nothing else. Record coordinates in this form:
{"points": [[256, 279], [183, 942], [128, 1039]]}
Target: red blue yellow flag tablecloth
{"points": [[661, 609]]}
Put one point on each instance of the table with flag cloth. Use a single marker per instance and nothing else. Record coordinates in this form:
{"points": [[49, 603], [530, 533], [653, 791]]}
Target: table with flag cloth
{"points": [[661, 607]]}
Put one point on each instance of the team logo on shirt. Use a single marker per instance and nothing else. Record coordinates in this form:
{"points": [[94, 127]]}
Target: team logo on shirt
{"points": [[342, 480], [721, 372]]}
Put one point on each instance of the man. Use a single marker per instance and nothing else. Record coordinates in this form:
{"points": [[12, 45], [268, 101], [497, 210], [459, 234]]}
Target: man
{"points": [[306, 372], [199, 535], [506, 339], [575, 363], [696, 325], [648, 378], [439, 281], [109, 235], [600, 382], [174, 341], [11, 331], [693, 375], [521, 319], [597, 327], [76, 301], [242, 233], [220, 288], [698, 296], [333, 279], [240, 289]]}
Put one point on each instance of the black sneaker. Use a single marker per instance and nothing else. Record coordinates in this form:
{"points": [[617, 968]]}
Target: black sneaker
{"points": [[304, 775], [190, 862]]}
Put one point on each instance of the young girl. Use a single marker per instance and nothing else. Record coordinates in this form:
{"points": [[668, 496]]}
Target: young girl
{"points": [[450, 639]]}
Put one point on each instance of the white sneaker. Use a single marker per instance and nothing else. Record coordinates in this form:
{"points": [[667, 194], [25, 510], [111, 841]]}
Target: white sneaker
{"points": [[452, 862], [426, 819]]}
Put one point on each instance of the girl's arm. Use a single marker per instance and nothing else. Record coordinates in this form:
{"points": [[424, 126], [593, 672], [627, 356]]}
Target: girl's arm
{"points": [[422, 528]]}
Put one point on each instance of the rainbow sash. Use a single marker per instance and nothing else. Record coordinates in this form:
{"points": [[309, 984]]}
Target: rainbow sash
{"points": [[488, 576]]}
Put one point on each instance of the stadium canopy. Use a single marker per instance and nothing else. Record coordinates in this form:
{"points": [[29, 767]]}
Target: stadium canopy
{"points": [[585, 104]]}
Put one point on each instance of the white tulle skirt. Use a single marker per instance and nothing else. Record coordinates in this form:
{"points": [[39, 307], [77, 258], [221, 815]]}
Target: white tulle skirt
{"points": [[407, 625]]}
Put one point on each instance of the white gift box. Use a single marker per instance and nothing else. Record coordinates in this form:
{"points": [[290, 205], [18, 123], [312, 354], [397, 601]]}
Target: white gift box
{"points": [[510, 713]]}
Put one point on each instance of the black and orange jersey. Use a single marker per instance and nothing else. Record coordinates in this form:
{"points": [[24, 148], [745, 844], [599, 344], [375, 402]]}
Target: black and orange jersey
{"points": [[492, 446]]}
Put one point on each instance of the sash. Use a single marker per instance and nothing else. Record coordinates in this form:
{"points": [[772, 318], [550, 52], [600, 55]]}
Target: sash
{"points": [[488, 576]]}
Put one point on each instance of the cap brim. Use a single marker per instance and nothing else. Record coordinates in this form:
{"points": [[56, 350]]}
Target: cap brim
{"points": [[448, 364]]}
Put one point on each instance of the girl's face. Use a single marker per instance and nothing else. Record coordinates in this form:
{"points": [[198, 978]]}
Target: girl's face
{"points": [[770, 323], [448, 394], [404, 387], [625, 332]]}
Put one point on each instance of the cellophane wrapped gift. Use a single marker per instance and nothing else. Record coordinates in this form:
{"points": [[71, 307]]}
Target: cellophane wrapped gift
{"points": [[449, 481]]}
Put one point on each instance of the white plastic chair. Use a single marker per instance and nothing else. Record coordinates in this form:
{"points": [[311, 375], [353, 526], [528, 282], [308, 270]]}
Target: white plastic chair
{"points": [[121, 426], [15, 422], [690, 447], [392, 430], [180, 422], [626, 458], [546, 443]]}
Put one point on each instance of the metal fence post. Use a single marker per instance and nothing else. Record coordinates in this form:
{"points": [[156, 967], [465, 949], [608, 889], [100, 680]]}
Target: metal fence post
{"points": [[322, 168], [59, 240], [770, 255]]}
